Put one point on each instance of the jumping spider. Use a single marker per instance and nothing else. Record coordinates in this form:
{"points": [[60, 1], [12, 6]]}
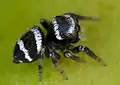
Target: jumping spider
{"points": [[62, 31]]}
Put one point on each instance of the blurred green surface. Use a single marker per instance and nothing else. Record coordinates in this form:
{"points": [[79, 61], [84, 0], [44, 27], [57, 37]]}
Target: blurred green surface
{"points": [[17, 16]]}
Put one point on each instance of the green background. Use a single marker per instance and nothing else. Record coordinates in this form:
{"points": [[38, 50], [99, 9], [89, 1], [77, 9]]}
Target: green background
{"points": [[17, 16]]}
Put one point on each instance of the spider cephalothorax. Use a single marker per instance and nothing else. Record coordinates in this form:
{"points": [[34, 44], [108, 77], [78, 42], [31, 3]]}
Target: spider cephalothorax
{"points": [[65, 27], [62, 31]]}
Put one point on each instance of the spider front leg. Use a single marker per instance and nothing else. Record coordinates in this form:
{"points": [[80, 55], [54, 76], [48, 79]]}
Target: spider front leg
{"points": [[54, 59], [79, 17], [71, 56], [88, 52]]}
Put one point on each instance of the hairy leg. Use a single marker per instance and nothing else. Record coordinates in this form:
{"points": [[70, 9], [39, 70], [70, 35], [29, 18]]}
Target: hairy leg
{"points": [[71, 56], [54, 59], [88, 52], [40, 69]]}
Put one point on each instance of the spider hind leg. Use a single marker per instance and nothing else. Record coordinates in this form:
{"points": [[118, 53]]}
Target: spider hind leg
{"points": [[44, 23], [79, 17]]}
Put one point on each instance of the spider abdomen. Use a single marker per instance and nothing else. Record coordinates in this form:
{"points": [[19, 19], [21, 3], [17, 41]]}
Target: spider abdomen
{"points": [[28, 47]]}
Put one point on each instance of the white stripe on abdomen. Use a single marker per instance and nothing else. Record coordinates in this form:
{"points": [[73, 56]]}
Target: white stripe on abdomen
{"points": [[38, 39], [25, 51]]}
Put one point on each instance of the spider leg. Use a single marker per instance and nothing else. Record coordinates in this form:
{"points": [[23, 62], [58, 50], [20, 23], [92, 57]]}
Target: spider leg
{"points": [[70, 56], [79, 17], [54, 59], [40, 68], [47, 53], [88, 52], [44, 23]]}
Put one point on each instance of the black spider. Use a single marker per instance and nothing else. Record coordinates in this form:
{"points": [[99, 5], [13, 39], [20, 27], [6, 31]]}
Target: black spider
{"points": [[62, 31]]}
